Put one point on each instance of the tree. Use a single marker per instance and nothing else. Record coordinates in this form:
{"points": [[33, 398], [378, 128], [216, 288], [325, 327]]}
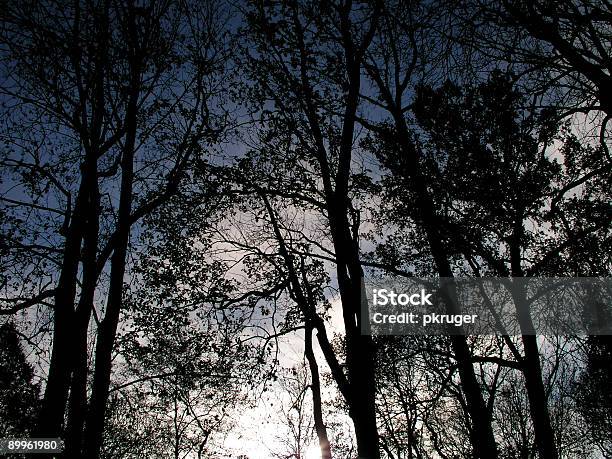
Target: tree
{"points": [[184, 189], [576, 45], [496, 222], [305, 66], [392, 75], [107, 106], [592, 398], [18, 392], [561, 50], [527, 177], [419, 401], [184, 356]]}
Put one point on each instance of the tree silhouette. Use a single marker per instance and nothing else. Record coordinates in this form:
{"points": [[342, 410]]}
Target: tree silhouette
{"points": [[107, 106], [19, 394], [190, 188]]}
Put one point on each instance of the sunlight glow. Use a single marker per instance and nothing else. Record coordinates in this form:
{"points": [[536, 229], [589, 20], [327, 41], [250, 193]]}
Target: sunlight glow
{"points": [[313, 452]]}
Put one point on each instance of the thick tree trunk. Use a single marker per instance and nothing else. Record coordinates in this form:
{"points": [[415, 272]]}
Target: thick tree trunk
{"points": [[360, 351], [360, 356], [51, 417], [77, 407], [538, 406], [108, 330], [532, 368], [363, 409], [78, 386]]}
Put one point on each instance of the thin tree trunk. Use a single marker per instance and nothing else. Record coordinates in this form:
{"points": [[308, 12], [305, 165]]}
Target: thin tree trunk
{"points": [[481, 431], [108, 327], [78, 387], [316, 394], [538, 406], [360, 351]]}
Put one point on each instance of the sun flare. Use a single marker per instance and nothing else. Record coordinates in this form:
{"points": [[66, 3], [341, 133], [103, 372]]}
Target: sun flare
{"points": [[313, 452]]}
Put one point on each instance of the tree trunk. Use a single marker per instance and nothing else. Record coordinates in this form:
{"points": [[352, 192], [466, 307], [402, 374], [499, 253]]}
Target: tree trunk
{"points": [[108, 327], [408, 164], [359, 393], [360, 351], [316, 393], [78, 386], [359, 390], [532, 369], [363, 409], [51, 416], [481, 433], [69, 352], [544, 435]]}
